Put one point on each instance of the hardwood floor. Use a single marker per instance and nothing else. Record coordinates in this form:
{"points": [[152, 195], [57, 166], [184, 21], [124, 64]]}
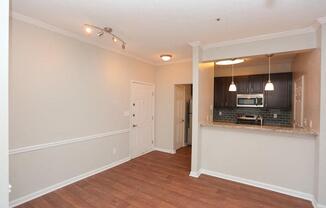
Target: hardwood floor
{"points": [[161, 180]]}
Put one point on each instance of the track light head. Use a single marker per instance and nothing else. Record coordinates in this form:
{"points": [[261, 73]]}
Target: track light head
{"points": [[101, 31], [100, 34], [114, 39], [108, 29]]}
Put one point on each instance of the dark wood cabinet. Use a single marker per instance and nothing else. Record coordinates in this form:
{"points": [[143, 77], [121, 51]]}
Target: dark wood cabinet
{"points": [[242, 83], [222, 97], [257, 84], [280, 98]]}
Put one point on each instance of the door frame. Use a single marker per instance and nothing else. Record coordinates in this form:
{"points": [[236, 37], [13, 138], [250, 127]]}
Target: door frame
{"points": [[4, 107], [132, 82], [302, 78], [175, 119]]}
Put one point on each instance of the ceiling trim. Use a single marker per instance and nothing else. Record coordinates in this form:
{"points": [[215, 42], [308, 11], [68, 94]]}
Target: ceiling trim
{"points": [[288, 33], [195, 44], [41, 24]]}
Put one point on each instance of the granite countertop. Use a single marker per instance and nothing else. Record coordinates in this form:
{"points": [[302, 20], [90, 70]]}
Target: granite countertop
{"points": [[277, 129]]}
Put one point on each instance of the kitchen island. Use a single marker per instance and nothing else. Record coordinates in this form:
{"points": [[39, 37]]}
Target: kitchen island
{"points": [[280, 159]]}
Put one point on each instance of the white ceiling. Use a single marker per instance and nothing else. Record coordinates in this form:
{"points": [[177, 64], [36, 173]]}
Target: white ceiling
{"points": [[153, 27]]}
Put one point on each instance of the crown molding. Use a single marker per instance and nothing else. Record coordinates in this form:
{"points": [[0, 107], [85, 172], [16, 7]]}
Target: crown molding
{"points": [[44, 25], [310, 29], [195, 44]]}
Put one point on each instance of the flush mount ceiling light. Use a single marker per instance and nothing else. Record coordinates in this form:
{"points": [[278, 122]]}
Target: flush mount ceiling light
{"points": [[166, 57], [230, 62], [269, 85], [101, 31]]}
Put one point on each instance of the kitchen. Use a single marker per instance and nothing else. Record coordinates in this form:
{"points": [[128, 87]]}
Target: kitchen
{"points": [[260, 90], [259, 119]]}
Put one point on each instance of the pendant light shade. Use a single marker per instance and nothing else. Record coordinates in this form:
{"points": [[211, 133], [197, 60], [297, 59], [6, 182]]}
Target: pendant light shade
{"points": [[232, 87], [269, 85]]}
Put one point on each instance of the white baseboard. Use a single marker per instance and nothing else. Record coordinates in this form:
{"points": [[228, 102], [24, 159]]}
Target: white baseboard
{"points": [[316, 205], [194, 174], [165, 150], [266, 186], [54, 187]]}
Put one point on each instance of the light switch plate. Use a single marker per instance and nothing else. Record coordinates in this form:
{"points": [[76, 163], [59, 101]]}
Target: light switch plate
{"points": [[274, 115]]}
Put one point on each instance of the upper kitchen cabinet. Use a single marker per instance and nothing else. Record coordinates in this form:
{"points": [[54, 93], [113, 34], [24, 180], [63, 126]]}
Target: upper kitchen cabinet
{"points": [[250, 84], [242, 83], [223, 98], [281, 97], [257, 84]]}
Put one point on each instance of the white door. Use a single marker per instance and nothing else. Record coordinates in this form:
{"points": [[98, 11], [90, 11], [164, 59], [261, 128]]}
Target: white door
{"points": [[179, 116], [298, 101], [142, 118]]}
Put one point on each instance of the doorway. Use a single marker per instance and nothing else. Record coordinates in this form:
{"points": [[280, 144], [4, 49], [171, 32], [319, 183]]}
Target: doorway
{"points": [[142, 118], [182, 115]]}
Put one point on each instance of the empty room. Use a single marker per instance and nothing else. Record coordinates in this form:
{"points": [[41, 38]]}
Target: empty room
{"points": [[158, 103]]}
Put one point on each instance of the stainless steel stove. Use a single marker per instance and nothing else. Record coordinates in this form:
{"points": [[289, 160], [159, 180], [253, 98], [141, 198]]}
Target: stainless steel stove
{"points": [[250, 119]]}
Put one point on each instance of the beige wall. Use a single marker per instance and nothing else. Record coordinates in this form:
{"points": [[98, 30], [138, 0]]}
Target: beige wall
{"points": [[61, 89], [252, 70], [308, 64], [167, 76], [261, 157], [206, 91]]}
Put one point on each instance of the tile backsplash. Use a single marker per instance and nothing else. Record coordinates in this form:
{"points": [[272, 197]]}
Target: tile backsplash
{"points": [[275, 117]]}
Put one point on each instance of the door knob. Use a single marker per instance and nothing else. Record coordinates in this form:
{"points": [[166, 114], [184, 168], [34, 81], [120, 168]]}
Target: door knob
{"points": [[134, 125]]}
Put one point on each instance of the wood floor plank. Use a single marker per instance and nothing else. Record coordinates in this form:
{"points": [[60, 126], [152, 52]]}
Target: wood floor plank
{"points": [[161, 180]]}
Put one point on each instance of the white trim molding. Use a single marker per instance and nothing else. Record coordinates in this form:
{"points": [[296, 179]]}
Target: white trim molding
{"points": [[316, 205], [32, 148], [278, 189], [67, 182], [169, 151], [269, 36], [194, 174]]}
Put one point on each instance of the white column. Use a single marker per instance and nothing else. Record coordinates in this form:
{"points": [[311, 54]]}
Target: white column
{"points": [[4, 57], [195, 154], [321, 142]]}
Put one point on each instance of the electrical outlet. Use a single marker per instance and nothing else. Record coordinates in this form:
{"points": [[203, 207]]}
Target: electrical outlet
{"points": [[310, 124], [114, 151], [274, 115], [220, 113]]}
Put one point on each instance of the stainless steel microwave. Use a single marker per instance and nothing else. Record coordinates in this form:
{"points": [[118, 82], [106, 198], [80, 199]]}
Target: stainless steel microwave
{"points": [[250, 100]]}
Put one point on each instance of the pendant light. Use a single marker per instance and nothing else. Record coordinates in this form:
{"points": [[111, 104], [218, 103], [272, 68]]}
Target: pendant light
{"points": [[269, 85], [232, 87]]}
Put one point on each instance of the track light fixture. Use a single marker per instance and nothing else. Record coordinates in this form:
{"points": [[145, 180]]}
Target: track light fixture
{"points": [[101, 31]]}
